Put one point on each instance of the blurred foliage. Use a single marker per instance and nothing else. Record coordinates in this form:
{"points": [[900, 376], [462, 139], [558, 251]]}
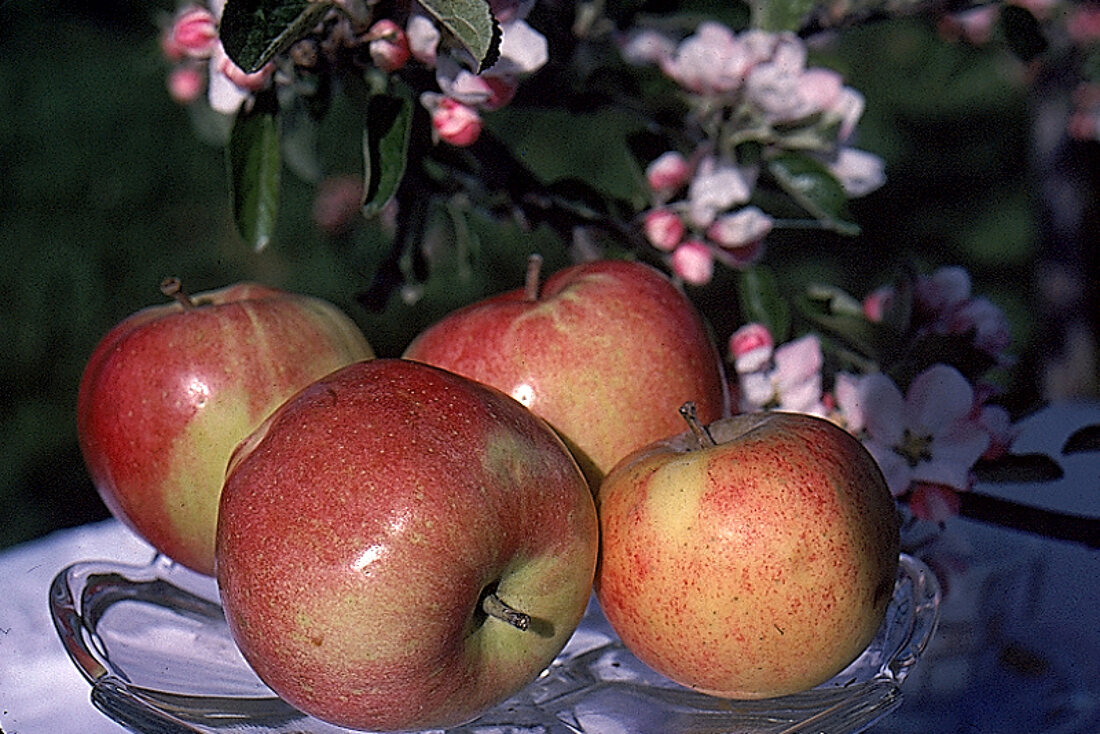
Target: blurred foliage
{"points": [[106, 189]]}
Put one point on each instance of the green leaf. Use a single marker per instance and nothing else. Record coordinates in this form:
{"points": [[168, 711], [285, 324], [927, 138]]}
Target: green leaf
{"points": [[1019, 468], [760, 301], [255, 165], [780, 15], [816, 190], [1083, 439], [838, 315], [254, 31], [472, 24], [385, 148]]}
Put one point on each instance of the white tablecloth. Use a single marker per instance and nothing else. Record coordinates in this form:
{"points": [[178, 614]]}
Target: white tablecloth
{"points": [[1027, 605]]}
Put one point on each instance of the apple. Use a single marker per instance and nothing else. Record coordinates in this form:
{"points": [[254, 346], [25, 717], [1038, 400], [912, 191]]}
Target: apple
{"points": [[751, 558], [604, 351], [169, 392], [401, 548]]}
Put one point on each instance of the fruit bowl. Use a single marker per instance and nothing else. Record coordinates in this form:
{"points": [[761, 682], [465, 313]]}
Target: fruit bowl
{"points": [[153, 643]]}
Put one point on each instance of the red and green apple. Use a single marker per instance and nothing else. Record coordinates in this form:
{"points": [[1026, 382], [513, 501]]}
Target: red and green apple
{"points": [[604, 351], [751, 558], [401, 548], [169, 392]]}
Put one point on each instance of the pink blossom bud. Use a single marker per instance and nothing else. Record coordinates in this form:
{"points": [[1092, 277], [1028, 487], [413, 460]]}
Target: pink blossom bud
{"points": [[664, 229], [693, 262], [456, 123], [876, 303], [388, 46], [751, 348], [858, 171], [997, 422], [668, 172], [423, 38], [741, 228], [252, 82], [502, 90], [933, 502], [186, 83], [194, 32]]}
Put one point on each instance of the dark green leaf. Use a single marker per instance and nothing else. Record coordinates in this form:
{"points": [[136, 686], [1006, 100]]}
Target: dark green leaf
{"points": [[385, 149], [1083, 439], [957, 350], [1019, 468], [254, 31], [1022, 31], [472, 24], [780, 15], [760, 300], [255, 166], [839, 315], [810, 184]]}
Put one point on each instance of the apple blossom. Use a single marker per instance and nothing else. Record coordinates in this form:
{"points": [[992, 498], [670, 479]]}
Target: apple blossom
{"points": [[663, 228], [455, 123], [667, 172], [424, 37], [933, 502], [789, 379], [186, 83], [751, 347], [718, 185], [711, 61], [193, 33], [743, 227], [388, 45], [928, 435], [858, 171], [693, 262]]}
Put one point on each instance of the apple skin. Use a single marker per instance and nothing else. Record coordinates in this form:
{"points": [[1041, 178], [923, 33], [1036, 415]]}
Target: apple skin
{"points": [[361, 525], [169, 392], [758, 567], [606, 353]]}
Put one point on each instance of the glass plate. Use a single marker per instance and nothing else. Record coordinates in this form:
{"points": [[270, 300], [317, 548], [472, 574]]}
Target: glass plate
{"points": [[153, 643]]}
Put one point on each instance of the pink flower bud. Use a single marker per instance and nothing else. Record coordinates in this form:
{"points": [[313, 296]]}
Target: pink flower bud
{"points": [[194, 33], [744, 227], [668, 172], [252, 82], [933, 502], [693, 262], [1083, 24], [664, 229], [502, 89], [388, 46], [876, 303], [751, 348], [456, 123], [185, 84], [423, 38]]}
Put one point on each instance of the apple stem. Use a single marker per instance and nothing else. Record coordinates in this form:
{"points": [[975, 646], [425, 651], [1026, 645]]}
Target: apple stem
{"points": [[495, 607], [534, 272], [691, 415], [173, 288]]}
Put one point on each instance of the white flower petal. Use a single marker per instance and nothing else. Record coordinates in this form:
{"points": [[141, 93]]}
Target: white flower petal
{"points": [[894, 468], [938, 398], [883, 409]]}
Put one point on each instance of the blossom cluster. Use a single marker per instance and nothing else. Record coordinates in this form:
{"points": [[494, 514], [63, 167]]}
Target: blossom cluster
{"points": [[926, 437], [749, 88], [190, 42]]}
